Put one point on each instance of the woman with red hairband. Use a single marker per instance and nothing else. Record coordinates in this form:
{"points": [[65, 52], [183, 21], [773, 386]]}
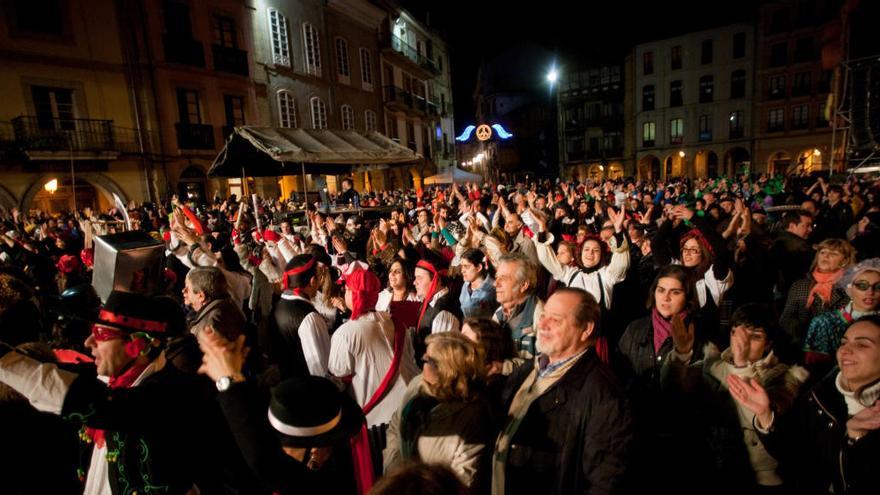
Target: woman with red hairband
{"points": [[441, 311], [370, 350], [702, 252]]}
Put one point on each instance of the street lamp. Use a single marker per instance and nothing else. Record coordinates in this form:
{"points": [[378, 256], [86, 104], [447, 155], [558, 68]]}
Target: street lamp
{"points": [[552, 76]]}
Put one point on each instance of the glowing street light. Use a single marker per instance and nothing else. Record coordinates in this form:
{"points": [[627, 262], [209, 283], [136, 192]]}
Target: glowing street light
{"points": [[681, 154], [552, 76], [51, 186], [817, 152]]}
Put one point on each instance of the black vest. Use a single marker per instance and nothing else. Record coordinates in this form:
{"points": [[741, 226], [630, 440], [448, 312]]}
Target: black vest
{"points": [[448, 303], [288, 352]]}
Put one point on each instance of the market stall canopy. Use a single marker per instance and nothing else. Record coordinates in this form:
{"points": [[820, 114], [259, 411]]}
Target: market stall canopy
{"points": [[453, 174], [272, 152]]}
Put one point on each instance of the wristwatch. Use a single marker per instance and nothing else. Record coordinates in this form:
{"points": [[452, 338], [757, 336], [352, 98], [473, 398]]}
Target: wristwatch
{"points": [[223, 383]]}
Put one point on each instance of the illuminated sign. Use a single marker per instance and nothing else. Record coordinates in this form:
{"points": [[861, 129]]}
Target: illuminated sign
{"points": [[483, 132]]}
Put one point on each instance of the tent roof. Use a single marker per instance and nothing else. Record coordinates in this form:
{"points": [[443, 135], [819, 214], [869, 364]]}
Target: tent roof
{"points": [[272, 151], [453, 174]]}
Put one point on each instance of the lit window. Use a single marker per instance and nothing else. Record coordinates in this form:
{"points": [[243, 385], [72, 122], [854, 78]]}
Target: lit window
{"points": [[319, 113], [278, 34], [312, 46], [286, 109]]}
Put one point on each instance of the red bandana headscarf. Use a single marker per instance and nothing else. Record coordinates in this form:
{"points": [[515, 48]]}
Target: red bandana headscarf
{"points": [[364, 287], [432, 290], [296, 271]]}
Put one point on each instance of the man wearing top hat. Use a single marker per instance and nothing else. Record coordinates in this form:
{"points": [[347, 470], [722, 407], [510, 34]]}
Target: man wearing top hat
{"points": [[147, 427]]}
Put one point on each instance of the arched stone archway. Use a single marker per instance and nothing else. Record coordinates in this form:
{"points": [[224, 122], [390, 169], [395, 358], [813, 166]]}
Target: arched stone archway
{"points": [[101, 182], [7, 200], [649, 167]]}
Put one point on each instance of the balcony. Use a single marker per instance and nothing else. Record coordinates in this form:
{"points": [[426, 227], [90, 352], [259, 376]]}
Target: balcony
{"points": [[675, 140], [184, 51], [195, 136], [705, 136], [736, 133], [41, 137], [574, 156], [647, 143], [398, 98], [231, 60], [418, 64]]}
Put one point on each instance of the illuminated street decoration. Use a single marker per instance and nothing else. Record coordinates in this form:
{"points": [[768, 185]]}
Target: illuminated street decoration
{"points": [[466, 134], [483, 132], [501, 131]]}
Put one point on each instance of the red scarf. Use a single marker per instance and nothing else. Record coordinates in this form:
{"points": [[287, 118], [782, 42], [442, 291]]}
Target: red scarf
{"points": [[432, 290], [125, 380], [824, 283]]}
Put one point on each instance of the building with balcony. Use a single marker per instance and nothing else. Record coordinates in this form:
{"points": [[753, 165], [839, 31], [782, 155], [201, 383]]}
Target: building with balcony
{"points": [[192, 68], [793, 84], [317, 67], [417, 92], [592, 122], [67, 106], [692, 101]]}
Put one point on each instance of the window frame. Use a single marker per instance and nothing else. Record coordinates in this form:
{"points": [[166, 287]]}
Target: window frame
{"points": [[286, 109], [318, 110], [279, 38]]}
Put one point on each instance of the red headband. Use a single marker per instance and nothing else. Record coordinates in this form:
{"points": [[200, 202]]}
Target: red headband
{"points": [[296, 271], [698, 235], [131, 322], [435, 281]]}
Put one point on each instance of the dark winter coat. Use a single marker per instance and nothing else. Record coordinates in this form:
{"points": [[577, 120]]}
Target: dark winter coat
{"points": [[812, 440], [574, 438]]}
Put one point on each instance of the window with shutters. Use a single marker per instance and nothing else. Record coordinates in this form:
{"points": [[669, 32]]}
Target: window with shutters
{"points": [[54, 107], [705, 127], [347, 117], [738, 84], [675, 97], [648, 98], [707, 86], [776, 120], [736, 124], [675, 57], [312, 46], [343, 71], [676, 131], [366, 69], [370, 120], [188, 106], [319, 113], [279, 38], [648, 131], [286, 109], [800, 117]]}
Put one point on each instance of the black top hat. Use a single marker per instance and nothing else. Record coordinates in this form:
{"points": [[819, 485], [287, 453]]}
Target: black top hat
{"points": [[312, 412], [132, 312]]}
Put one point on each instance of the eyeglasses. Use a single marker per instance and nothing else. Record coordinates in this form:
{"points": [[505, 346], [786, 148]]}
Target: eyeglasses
{"points": [[686, 250], [103, 333], [864, 285]]}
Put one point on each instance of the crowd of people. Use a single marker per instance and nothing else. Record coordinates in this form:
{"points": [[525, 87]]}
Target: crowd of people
{"points": [[615, 336]]}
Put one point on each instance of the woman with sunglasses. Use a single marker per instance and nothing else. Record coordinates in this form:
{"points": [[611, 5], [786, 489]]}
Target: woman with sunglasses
{"points": [[862, 284], [444, 417]]}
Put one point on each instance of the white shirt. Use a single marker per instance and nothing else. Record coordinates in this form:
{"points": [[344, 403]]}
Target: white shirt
{"points": [[315, 339], [363, 349], [444, 321], [387, 295]]}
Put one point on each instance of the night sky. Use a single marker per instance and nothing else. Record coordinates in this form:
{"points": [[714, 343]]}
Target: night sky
{"points": [[581, 30]]}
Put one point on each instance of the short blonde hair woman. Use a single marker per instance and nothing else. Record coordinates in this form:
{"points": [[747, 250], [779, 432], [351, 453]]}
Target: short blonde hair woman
{"points": [[444, 417], [816, 293]]}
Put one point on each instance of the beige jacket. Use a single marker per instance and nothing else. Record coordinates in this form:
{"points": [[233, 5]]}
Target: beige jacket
{"points": [[455, 436]]}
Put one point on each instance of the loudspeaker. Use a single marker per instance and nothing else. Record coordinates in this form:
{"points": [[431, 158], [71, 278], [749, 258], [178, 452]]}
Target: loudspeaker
{"points": [[129, 262]]}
